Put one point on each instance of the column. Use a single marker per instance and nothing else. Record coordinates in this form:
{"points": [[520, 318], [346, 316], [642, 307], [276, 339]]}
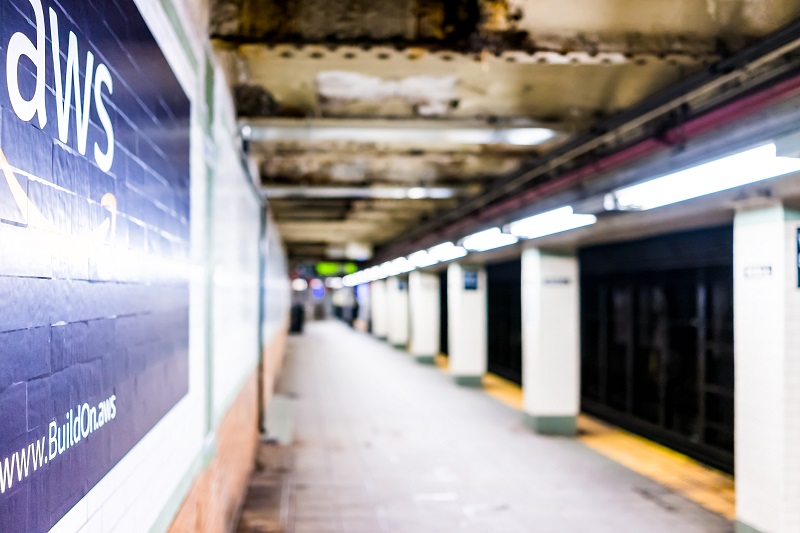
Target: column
{"points": [[767, 368], [423, 293], [550, 342], [379, 307], [466, 308], [364, 308], [397, 314]]}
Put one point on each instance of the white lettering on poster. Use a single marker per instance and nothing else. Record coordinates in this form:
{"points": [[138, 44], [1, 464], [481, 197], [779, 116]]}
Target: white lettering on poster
{"points": [[68, 91], [79, 423]]}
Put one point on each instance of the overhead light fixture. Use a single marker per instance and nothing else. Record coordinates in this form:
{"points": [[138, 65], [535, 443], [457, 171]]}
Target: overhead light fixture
{"points": [[382, 193], [359, 278], [422, 259], [334, 283], [377, 273], [447, 252], [750, 166], [488, 240], [417, 193], [388, 269], [402, 265], [415, 132], [549, 223], [528, 136]]}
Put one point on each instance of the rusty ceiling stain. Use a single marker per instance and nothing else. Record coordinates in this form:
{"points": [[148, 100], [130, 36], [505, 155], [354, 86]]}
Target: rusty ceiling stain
{"points": [[399, 21], [255, 101]]}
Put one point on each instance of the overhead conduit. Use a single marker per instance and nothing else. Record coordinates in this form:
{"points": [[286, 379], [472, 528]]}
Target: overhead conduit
{"points": [[783, 42]]}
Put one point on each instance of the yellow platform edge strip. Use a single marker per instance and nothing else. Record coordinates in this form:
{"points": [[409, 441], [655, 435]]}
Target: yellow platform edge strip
{"points": [[706, 486]]}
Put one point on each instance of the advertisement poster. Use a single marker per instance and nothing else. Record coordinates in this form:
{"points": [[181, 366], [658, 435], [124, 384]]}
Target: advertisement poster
{"points": [[94, 244]]}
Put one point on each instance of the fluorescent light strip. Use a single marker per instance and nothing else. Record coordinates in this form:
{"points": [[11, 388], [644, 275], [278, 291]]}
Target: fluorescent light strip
{"points": [[488, 240], [402, 265], [747, 167], [388, 269], [447, 252], [549, 223], [311, 132], [422, 259]]}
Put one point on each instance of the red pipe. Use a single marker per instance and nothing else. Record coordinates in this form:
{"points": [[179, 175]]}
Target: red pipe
{"points": [[692, 128]]}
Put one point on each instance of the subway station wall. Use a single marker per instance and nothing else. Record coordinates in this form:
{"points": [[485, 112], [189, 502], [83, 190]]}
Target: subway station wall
{"points": [[129, 263]]}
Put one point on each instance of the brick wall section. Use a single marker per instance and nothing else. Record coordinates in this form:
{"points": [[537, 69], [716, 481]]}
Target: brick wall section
{"points": [[218, 494]]}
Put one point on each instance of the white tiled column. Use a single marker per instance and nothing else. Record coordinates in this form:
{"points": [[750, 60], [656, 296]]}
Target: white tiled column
{"points": [[466, 308], [364, 299], [397, 314], [550, 342], [379, 307], [423, 294], [767, 367]]}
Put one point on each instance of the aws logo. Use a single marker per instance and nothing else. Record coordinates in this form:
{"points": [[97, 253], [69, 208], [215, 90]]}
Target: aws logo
{"points": [[69, 95], [67, 85]]}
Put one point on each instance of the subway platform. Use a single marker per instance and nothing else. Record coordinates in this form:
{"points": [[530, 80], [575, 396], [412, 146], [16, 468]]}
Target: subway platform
{"points": [[381, 443]]}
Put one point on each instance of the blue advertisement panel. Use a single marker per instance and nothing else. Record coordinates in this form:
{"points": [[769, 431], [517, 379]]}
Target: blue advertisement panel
{"points": [[94, 245]]}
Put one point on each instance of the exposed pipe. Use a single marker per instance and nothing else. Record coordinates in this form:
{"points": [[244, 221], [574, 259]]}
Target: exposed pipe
{"points": [[782, 42], [693, 128]]}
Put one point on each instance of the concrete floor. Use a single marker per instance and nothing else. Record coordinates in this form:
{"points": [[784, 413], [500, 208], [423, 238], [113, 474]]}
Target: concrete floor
{"points": [[383, 444]]}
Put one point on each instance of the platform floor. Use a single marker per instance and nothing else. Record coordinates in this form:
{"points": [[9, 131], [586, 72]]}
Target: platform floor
{"points": [[383, 444]]}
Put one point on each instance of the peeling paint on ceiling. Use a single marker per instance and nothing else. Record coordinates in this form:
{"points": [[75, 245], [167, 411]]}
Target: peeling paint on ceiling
{"points": [[426, 95]]}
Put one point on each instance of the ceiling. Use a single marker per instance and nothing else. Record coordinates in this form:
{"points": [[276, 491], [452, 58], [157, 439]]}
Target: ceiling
{"points": [[369, 119]]}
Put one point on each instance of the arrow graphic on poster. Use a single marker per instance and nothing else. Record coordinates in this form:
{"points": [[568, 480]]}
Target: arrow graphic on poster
{"points": [[37, 220]]}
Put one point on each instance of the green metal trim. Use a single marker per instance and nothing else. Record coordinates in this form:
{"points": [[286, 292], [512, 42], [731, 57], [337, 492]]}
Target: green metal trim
{"points": [[563, 426], [262, 292], [175, 501], [469, 381], [425, 359], [209, 449], [209, 98], [175, 20], [741, 527], [400, 346], [209, 282]]}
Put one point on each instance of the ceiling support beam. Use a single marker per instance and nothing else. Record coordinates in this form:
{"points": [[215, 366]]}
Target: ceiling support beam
{"points": [[386, 193]]}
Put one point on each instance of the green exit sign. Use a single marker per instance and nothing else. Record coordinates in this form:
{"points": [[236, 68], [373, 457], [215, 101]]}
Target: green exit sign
{"points": [[327, 268]]}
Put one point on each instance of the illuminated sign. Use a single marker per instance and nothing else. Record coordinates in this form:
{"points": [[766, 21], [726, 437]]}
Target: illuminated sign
{"points": [[325, 268], [94, 245]]}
